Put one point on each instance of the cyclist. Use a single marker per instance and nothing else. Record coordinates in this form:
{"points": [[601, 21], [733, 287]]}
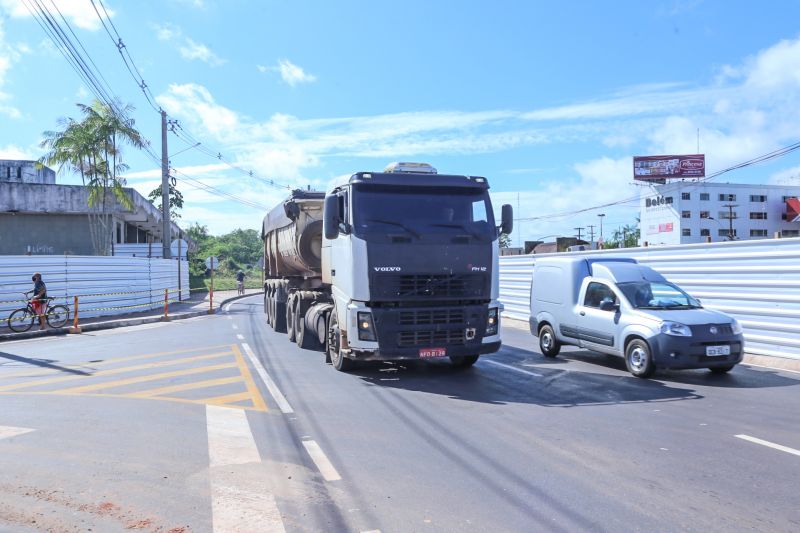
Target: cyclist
{"points": [[39, 298], [240, 282]]}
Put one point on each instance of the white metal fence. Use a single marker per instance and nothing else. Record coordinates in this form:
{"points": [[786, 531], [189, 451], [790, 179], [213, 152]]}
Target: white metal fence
{"points": [[105, 285], [756, 281]]}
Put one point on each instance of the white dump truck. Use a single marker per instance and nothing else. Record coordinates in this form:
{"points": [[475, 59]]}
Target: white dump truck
{"points": [[399, 264]]}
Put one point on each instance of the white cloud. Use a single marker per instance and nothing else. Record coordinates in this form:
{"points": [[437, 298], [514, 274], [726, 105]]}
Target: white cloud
{"points": [[166, 32], [195, 104], [79, 12], [9, 54], [11, 151], [788, 176], [192, 50], [290, 73]]}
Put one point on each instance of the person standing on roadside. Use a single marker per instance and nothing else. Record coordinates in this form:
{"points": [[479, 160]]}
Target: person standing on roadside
{"points": [[39, 298], [240, 282]]}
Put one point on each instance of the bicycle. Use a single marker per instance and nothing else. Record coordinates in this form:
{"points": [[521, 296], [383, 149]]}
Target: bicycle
{"points": [[22, 319]]}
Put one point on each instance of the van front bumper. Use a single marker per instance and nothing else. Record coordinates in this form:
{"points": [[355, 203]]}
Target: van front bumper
{"points": [[690, 352]]}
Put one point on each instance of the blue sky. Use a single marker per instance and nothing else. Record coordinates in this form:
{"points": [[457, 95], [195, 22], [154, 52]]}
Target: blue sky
{"points": [[549, 100]]}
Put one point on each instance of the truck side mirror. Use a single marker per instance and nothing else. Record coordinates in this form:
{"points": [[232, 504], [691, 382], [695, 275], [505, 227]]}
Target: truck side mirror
{"points": [[331, 217], [507, 219]]}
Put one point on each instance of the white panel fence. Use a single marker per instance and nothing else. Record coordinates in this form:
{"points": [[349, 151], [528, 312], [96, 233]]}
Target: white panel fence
{"points": [[105, 285], [756, 281]]}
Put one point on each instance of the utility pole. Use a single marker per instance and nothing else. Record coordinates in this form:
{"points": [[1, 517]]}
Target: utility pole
{"points": [[601, 215], [591, 233], [579, 232], [165, 221], [730, 220]]}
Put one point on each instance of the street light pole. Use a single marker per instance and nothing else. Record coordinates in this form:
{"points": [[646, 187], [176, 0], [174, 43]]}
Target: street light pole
{"points": [[730, 220], [601, 215]]}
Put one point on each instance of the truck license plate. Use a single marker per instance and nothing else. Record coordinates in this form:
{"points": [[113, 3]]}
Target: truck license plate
{"points": [[432, 352], [718, 350]]}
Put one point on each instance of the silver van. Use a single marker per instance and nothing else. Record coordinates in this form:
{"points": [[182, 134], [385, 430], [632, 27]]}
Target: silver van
{"points": [[619, 307]]}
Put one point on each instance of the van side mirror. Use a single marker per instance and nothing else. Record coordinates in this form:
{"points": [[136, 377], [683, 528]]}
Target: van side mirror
{"points": [[331, 217], [507, 219], [608, 305]]}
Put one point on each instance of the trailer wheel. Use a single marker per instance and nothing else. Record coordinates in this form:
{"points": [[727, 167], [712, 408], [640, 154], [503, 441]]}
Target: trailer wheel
{"points": [[280, 317], [305, 339], [290, 322], [338, 360]]}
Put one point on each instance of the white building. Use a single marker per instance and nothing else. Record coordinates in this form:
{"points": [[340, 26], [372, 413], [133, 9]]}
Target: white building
{"points": [[684, 212]]}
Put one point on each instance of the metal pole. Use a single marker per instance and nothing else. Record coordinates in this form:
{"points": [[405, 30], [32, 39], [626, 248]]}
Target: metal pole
{"points": [[211, 293], [601, 215], [180, 292], [165, 188], [75, 327]]}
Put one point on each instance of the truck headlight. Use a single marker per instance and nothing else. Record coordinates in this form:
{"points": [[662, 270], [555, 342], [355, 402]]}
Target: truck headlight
{"points": [[675, 329], [736, 327], [493, 321], [366, 329]]}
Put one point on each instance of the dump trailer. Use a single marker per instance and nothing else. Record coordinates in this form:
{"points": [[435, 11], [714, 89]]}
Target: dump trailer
{"points": [[399, 264]]}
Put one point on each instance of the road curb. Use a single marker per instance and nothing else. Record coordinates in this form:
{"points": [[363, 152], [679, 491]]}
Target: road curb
{"points": [[767, 361], [125, 322]]}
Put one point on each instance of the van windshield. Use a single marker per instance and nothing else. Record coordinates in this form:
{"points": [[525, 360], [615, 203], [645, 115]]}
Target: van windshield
{"points": [[657, 295]]}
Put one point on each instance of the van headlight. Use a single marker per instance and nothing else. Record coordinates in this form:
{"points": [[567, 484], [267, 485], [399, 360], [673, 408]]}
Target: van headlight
{"points": [[736, 327], [366, 329], [492, 322], [675, 329]]}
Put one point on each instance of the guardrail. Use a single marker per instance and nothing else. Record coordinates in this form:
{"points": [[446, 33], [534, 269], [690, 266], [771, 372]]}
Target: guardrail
{"points": [[756, 281]]}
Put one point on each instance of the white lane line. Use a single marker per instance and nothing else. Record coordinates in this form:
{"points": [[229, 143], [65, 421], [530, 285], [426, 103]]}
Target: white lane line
{"points": [[235, 326], [769, 444], [514, 368], [10, 431], [240, 336], [239, 501], [324, 465], [372, 531], [273, 389]]}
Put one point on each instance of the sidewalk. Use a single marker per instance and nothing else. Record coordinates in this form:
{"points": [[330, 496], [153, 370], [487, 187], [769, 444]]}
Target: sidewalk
{"points": [[197, 305]]}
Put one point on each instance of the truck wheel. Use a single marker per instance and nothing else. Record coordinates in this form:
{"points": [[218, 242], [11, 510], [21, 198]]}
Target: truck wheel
{"points": [[280, 317], [338, 360], [548, 343], [639, 359], [290, 324], [721, 369], [305, 339], [463, 361]]}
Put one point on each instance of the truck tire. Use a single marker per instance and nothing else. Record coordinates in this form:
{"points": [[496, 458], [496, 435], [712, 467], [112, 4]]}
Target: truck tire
{"points": [[463, 361], [305, 339], [639, 359], [290, 324], [334, 349], [548, 343], [279, 319]]}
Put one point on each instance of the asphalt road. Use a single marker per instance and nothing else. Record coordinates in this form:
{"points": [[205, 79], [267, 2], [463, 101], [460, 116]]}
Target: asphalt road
{"points": [[219, 424]]}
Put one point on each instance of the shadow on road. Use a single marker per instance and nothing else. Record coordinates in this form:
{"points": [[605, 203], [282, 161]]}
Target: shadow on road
{"points": [[42, 363]]}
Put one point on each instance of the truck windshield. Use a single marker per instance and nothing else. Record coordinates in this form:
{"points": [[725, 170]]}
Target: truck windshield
{"points": [[429, 210], [657, 295]]}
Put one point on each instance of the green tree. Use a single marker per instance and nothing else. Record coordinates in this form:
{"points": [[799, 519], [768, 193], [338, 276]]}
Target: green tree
{"points": [[505, 240], [92, 146], [175, 200]]}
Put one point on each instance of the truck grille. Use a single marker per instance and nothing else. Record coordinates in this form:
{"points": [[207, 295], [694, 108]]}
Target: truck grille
{"points": [[431, 317], [430, 338], [433, 285]]}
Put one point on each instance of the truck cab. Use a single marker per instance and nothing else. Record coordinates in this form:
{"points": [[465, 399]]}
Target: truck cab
{"points": [[411, 257]]}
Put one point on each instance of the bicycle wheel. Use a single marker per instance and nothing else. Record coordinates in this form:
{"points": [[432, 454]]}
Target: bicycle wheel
{"points": [[21, 320], [57, 316]]}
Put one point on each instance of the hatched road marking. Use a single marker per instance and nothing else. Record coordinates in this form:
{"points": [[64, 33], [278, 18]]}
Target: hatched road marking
{"points": [[225, 379]]}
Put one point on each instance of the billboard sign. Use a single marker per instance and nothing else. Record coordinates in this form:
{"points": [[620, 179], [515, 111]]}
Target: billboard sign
{"points": [[659, 167]]}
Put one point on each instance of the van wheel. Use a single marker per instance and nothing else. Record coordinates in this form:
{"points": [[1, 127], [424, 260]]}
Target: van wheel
{"points": [[548, 344], [639, 359], [721, 369]]}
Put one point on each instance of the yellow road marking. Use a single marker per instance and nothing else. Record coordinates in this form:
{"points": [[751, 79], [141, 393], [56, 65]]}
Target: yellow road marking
{"points": [[225, 400], [113, 371], [258, 400], [100, 395], [185, 386], [143, 379], [106, 362]]}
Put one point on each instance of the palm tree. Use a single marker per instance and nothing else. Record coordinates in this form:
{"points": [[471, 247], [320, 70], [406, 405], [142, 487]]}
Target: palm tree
{"points": [[92, 147]]}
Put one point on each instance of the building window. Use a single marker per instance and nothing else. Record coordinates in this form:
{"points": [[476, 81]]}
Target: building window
{"points": [[727, 214], [783, 216], [727, 197], [705, 214], [686, 214], [790, 233], [787, 197], [758, 198], [758, 233], [758, 216], [704, 197], [705, 232], [686, 196], [686, 232], [724, 232], [668, 199]]}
